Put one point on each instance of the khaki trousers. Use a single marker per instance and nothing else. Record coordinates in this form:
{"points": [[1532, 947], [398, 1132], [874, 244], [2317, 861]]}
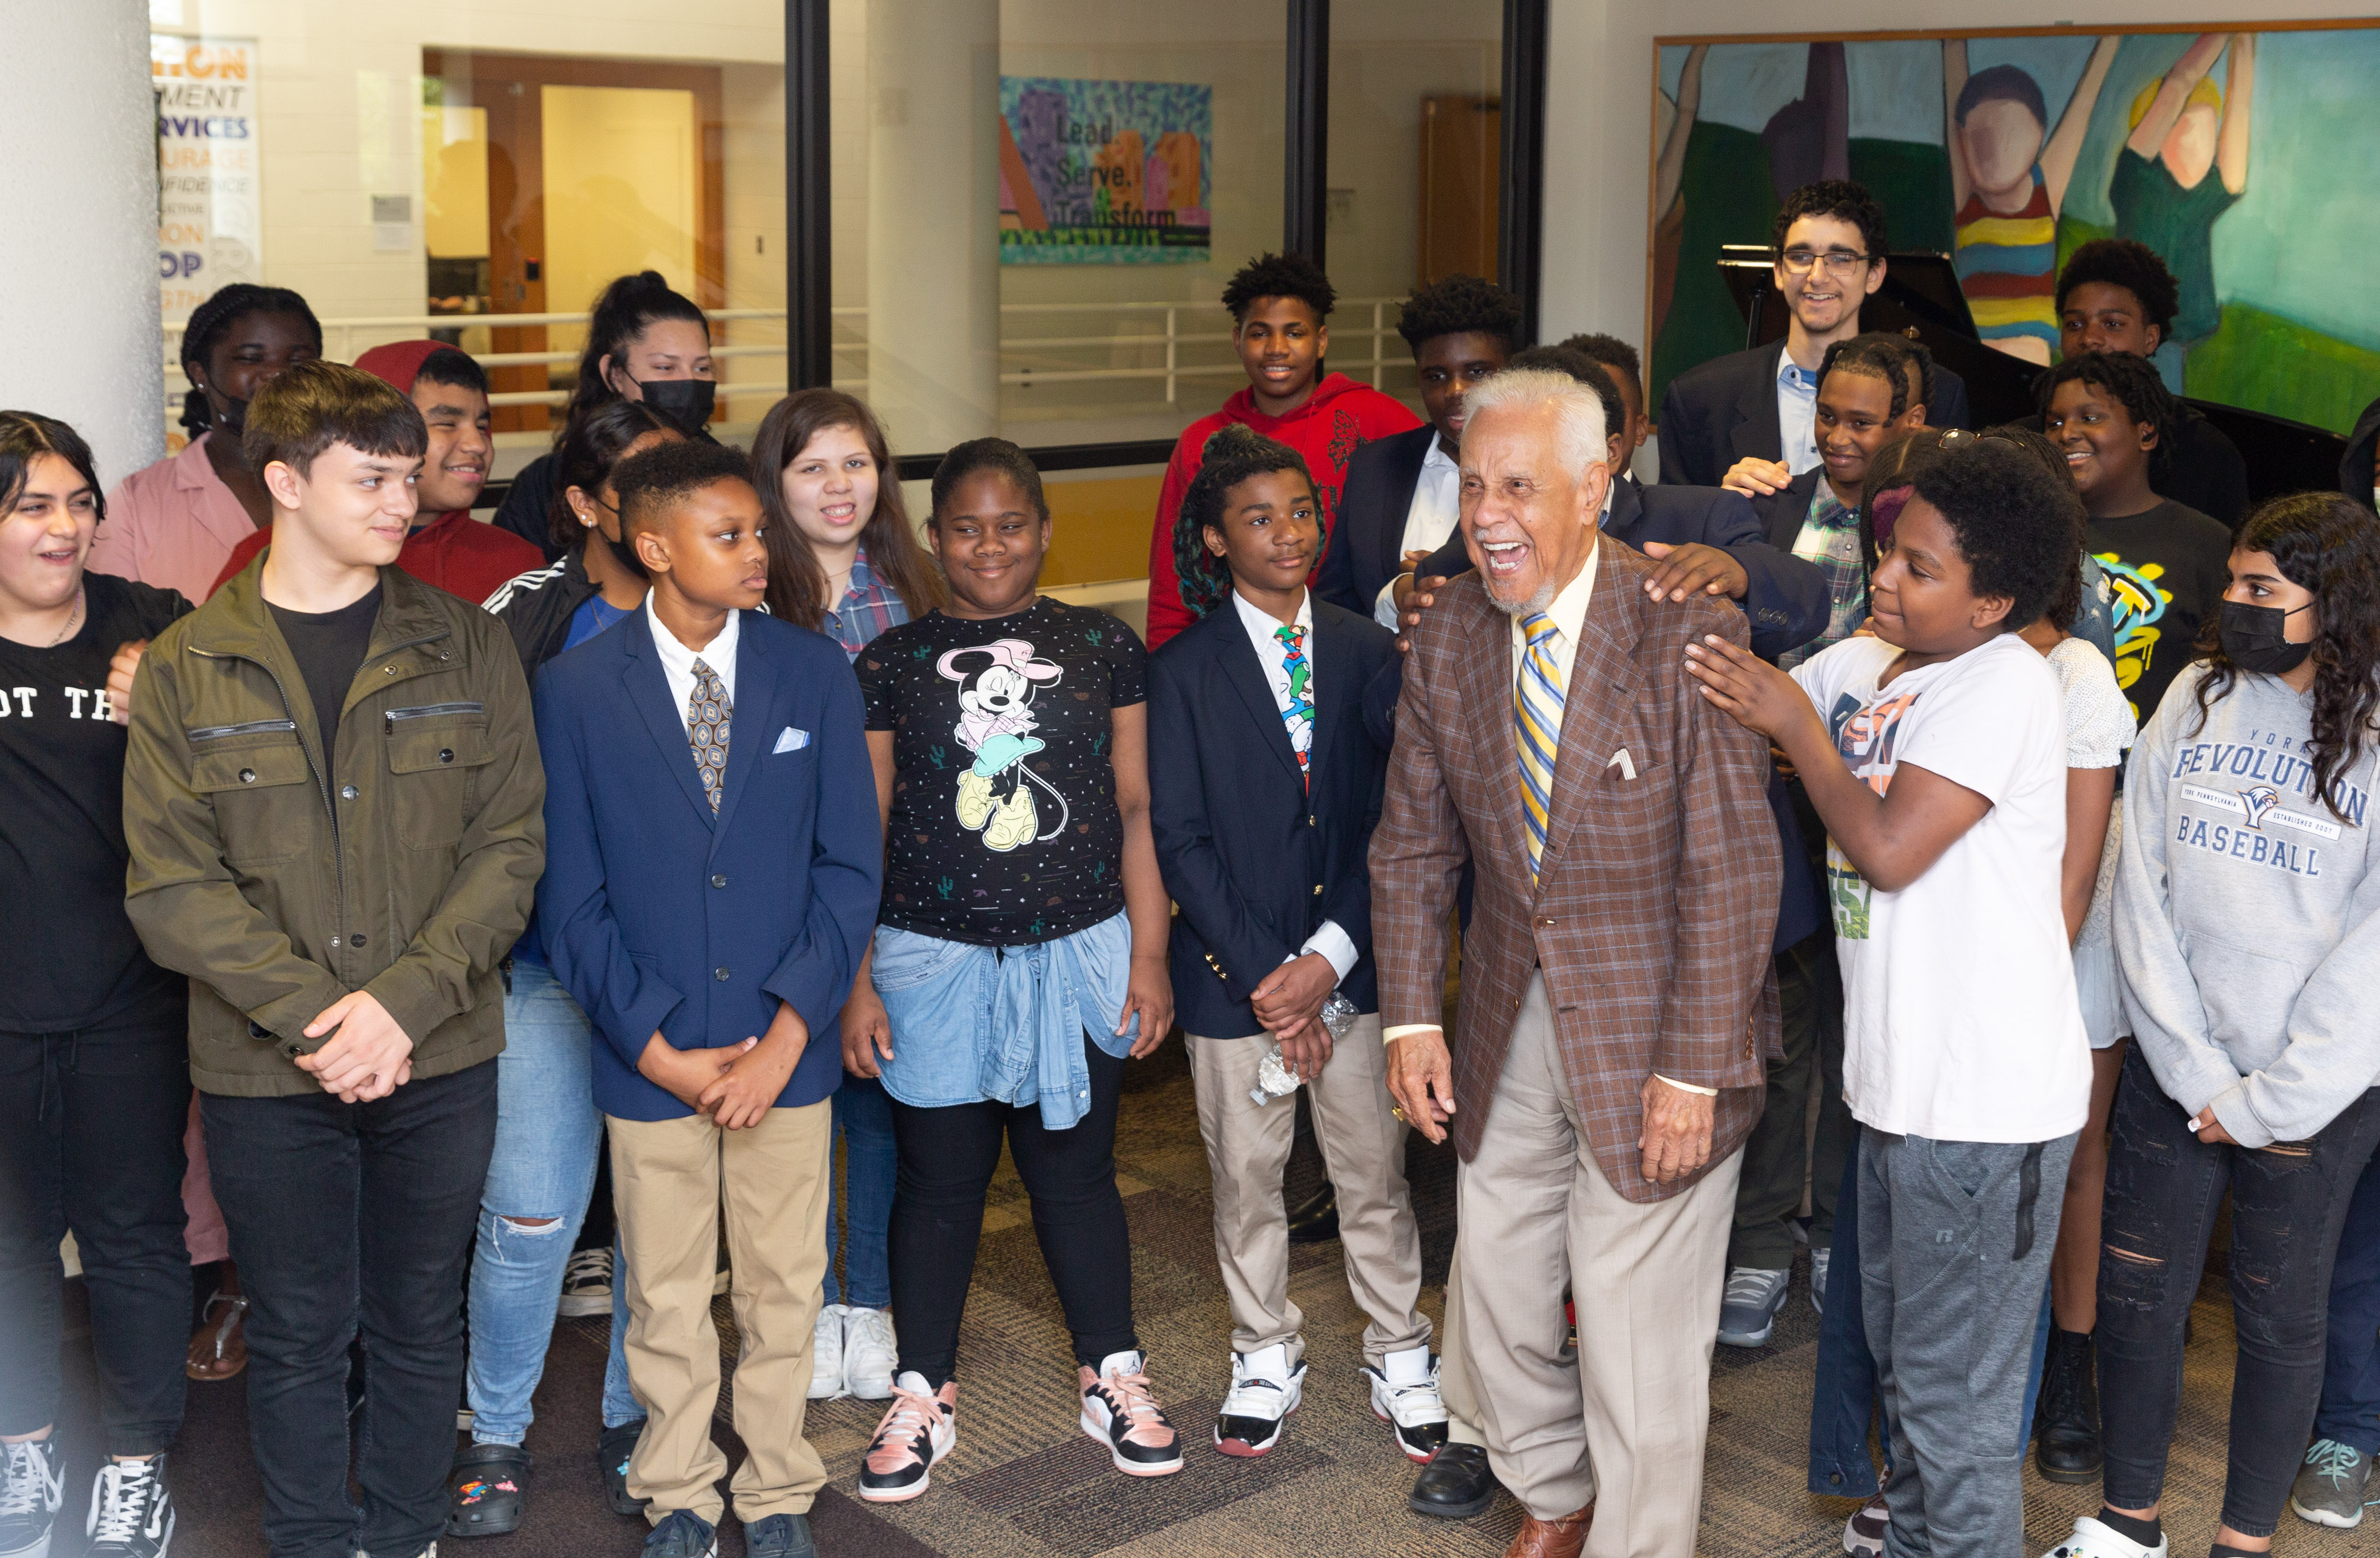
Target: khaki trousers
{"points": [[1363, 1151], [669, 1178], [1628, 1417]]}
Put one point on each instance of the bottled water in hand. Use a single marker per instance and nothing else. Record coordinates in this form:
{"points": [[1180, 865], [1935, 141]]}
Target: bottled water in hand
{"points": [[1274, 1078]]}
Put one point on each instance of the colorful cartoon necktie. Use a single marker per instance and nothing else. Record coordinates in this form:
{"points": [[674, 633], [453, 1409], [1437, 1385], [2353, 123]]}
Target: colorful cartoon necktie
{"points": [[1536, 727], [706, 713], [1298, 715]]}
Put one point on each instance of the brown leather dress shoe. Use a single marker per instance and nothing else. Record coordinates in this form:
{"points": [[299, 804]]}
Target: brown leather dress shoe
{"points": [[1551, 1539]]}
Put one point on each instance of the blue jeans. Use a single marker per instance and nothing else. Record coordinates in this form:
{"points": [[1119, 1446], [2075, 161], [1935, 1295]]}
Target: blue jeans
{"points": [[2350, 1376], [1843, 1405], [543, 1167], [871, 1161]]}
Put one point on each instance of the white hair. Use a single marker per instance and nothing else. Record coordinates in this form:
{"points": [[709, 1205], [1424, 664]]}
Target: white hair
{"points": [[1579, 433]]}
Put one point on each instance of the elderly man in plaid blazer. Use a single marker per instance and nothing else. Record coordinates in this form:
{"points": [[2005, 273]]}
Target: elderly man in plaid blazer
{"points": [[1608, 1057]]}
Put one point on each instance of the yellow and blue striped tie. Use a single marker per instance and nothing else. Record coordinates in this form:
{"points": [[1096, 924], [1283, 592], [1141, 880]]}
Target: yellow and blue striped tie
{"points": [[1536, 727]]}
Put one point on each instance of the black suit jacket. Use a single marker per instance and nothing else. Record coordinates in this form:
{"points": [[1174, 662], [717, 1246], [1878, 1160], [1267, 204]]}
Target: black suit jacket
{"points": [[1366, 542], [1726, 410], [1255, 860]]}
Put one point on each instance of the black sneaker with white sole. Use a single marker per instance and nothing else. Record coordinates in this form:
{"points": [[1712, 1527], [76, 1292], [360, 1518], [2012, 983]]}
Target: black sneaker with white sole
{"points": [[131, 1513], [1264, 1390], [32, 1488], [585, 1283]]}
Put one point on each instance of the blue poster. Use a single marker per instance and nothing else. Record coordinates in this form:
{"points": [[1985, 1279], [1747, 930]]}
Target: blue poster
{"points": [[1103, 173]]}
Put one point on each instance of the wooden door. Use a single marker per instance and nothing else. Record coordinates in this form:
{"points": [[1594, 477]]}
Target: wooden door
{"points": [[1461, 155]]}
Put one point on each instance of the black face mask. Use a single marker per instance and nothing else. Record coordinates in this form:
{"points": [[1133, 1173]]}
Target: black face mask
{"points": [[2254, 637], [687, 401]]}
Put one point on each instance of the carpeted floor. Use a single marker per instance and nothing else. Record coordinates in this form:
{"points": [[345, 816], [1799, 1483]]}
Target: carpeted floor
{"points": [[1026, 1483]]}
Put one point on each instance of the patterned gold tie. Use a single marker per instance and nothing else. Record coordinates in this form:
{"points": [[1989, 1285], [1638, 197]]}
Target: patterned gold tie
{"points": [[706, 713], [1536, 727]]}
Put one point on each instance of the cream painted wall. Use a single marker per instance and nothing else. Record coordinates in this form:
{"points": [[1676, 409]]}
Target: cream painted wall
{"points": [[1598, 123]]}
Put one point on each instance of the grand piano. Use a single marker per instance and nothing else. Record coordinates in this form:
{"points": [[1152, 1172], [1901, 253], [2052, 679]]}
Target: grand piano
{"points": [[1921, 297]]}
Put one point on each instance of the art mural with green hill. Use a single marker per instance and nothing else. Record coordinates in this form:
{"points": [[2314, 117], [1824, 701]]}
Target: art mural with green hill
{"points": [[2235, 155]]}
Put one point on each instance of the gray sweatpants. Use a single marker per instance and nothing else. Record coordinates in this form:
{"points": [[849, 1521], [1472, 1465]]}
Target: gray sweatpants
{"points": [[1955, 1239]]}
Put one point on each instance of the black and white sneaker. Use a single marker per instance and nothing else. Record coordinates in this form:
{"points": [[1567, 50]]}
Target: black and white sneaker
{"points": [[131, 1513], [586, 1284], [1404, 1396], [1264, 1390], [32, 1488]]}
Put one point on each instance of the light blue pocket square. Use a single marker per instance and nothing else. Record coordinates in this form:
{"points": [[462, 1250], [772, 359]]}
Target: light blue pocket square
{"points": [[790, 740]]}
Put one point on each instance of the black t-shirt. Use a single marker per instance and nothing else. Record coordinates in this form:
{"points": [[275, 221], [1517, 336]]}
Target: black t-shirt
{"points": [[1004, 827], [329, 648], [2167, 569], [70, 954]]}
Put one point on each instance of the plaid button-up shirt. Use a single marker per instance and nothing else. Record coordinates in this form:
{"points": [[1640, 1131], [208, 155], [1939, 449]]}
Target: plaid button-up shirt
{"points": [[868, 606]]}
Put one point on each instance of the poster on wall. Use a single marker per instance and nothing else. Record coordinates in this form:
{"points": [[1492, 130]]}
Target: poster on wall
{"points": [[1103, 173], [2239, 157], [210, 211]]}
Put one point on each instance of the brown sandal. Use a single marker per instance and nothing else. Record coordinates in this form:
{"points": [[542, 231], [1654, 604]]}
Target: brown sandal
{"points": [[219, 1347]]}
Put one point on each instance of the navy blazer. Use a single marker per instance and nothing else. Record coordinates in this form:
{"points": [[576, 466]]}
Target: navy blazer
{"points": [[1786, 599], [659, 916], [1256, 859], [1726, 410], [1367, 542]]}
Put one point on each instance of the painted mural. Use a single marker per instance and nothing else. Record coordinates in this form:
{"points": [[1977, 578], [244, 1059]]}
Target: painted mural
{"points": [[1104, 172], [2244, 159]]}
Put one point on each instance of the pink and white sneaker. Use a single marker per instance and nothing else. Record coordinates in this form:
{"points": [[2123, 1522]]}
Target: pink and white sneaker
{"points": [[1121, 1412], [919, 1428]]}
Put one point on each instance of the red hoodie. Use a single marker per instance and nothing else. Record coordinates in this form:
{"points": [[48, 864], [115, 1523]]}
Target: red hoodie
{"points": [[1339, 417], [451, 552]]}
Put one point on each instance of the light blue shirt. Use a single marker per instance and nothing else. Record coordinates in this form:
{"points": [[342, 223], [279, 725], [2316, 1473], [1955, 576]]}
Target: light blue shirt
{"points": [[1797, 414]]}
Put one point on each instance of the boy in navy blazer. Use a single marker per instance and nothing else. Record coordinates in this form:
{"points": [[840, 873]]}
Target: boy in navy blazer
{"points": [[711, 886], [1264, 789]]}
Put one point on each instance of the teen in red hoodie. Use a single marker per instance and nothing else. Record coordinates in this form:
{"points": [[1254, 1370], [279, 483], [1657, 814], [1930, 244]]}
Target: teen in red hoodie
{"points": [[1280, 304], [448, 550]]}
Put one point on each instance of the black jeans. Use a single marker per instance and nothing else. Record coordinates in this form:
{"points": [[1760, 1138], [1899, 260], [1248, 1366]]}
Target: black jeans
{"points": [[347, 1217], [91, 1140], [947, 1159], [2289, 1203], [1776, 1163]]}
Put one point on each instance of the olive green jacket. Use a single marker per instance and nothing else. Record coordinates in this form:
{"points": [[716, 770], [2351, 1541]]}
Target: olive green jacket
{"points": [[276, 896]]}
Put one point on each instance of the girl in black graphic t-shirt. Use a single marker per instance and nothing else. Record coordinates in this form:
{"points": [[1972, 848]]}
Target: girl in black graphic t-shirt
{"points": [[1020, 958], [94, 1068]]}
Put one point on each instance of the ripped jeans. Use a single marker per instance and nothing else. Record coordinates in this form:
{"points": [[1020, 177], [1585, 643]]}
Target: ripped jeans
{"points": [[547, 1132], [2289, 1204]]}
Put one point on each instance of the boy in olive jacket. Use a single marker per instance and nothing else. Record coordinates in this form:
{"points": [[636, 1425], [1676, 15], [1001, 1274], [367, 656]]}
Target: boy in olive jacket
{"points": [[335, 813]]}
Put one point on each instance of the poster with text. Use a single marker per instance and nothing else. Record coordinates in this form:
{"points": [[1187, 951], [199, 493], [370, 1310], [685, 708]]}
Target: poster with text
{"points": [[210, 211], [1103, 173]]}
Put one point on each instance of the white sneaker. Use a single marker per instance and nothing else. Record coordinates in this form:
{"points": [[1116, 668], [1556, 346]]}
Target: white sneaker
{"points": [[1265, 1391], [869, 1352], [826, 1354], [1404, 1396], [1818, 1260], [2093, 1539]]}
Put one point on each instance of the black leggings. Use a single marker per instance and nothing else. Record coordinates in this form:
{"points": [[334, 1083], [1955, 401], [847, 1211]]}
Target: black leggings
{"points": [[91, 1139], [947, 1159], [2289, 1204]]}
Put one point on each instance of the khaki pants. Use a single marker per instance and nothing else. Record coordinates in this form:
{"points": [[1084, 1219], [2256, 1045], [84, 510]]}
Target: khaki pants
{"points": [[668, 1180], [1629, 1417], [1363, 1151]]}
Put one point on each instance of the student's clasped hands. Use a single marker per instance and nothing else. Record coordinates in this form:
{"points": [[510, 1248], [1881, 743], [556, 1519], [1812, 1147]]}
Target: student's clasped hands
{"points": [[735, 1085], [368, 1055]]}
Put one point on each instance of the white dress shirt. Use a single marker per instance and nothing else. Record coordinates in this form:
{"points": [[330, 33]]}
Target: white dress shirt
{"points": [[1797, 413], [1437, 505], [1329, 939], [677, 661]]}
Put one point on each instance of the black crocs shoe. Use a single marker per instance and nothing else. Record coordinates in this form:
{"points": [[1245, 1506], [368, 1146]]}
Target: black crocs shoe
{"points": [[612, 1452], [483, 1491]]}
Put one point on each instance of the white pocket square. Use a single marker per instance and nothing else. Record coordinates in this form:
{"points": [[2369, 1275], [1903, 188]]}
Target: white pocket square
{"points": [[1620, 760], [790, 740]]}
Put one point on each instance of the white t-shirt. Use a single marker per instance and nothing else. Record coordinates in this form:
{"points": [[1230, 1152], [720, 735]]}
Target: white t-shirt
{"points": [[1960, 1018]]}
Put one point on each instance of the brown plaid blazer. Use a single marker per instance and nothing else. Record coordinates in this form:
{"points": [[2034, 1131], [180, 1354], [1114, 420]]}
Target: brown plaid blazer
{"points": [[1659, 893]]}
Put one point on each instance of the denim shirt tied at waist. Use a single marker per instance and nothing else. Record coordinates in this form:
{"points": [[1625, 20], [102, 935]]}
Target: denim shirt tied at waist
{"points": [[1006, 1023]]}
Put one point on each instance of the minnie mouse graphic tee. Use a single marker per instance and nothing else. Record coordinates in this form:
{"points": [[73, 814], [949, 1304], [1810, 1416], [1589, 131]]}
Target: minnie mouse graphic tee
{"points": [[1004, 829]]}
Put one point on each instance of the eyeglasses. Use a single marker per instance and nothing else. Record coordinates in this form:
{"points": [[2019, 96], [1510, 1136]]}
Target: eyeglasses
{"points": [[1839, 263]]}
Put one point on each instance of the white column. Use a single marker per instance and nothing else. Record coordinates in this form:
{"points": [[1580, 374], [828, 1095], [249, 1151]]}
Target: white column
{"points": [[933, 220], [79, 273]]}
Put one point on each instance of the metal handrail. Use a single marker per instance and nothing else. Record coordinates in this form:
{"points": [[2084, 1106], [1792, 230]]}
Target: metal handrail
{"points": [[339, 338]]}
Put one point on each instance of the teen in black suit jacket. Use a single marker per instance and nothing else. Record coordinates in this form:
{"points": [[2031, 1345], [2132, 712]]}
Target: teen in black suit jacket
{"points": [[1726, 410], [1366, 547]]}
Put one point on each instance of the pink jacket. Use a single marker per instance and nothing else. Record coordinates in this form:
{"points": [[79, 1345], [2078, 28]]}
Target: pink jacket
{"points": [[172, 524]]}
